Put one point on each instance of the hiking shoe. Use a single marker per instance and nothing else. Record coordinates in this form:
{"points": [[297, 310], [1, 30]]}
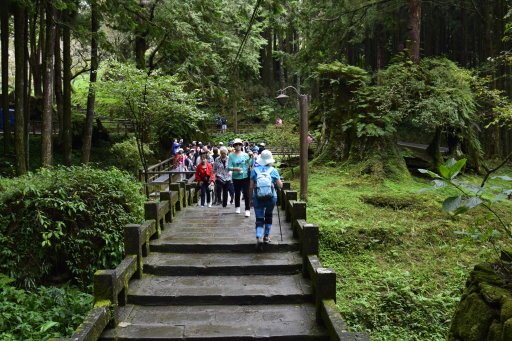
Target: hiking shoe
{"points": [[247, 214], [237, 210], [210, 205], [259, 245], [267, 240]]}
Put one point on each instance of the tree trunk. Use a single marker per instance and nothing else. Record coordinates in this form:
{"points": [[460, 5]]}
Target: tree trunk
{"points": [[433, 149], [140, 43], [91, 97], [37, 47], [59, 99], [66, 105], [4, 17], [48, 78], [268, 73], [379, 157], [28, 90], [414, 28], [19, 88]]}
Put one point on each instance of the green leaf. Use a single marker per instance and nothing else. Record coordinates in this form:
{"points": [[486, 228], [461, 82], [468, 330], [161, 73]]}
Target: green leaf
{"points": [[451, 168], [432, 174], [473, 202], [444, 171], [439, 183], [502, 177], [499, 197], [456, 168], [452, 203], [48, 325], [4, 280]]}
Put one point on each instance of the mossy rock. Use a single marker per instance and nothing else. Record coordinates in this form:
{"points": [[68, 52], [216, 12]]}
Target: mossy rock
{"points": [[495, 332], [506, 310], [472, 319], [388, 201], [507, 330], [485, 273], [494, 295]]}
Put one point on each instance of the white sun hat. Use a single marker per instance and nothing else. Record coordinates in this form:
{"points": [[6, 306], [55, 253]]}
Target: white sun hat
{"points": [[265, 158], [237, 141]]}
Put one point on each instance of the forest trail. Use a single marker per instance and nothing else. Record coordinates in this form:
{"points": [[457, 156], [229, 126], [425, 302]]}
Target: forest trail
{"points": [[204, 280]]}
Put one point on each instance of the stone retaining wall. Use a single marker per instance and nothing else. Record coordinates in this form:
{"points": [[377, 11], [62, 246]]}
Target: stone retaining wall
{"points": [[485, 309]]}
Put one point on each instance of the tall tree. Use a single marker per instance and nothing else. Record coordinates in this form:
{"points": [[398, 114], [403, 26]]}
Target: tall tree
{"points": [[91, 97], [48, 81], [4, 17], [59, 98], [66, 82], [414, 28], [19, 88]]}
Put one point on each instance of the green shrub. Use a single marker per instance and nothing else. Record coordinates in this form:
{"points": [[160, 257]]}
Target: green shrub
{"points": [[65, 223], [126, 155], [45, 313]]}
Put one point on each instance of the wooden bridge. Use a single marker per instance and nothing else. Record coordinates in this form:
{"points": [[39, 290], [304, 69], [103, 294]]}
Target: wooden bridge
{"points": [[193, 273]]}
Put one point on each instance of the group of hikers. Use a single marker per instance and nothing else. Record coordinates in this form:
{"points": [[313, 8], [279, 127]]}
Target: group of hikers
{"points": [[241, 170]]}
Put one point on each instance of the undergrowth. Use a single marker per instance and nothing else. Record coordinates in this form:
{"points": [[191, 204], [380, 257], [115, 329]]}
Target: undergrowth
{"points": [[401, 261], [48, 312]]}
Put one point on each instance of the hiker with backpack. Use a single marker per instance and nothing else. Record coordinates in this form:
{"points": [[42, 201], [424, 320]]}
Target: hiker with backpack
{"points": [[239, 163], [264, 179]]}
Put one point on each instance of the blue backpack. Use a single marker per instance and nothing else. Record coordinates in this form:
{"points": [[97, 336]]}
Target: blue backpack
{"points": [[264, 185]]}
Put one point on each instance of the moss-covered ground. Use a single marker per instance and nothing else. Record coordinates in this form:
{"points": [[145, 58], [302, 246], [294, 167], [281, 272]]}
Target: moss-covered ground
{"points": [[401, 261]]}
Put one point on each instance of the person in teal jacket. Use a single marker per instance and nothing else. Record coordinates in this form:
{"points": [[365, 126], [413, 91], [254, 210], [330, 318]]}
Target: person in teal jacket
{"points": [[239, 163]]}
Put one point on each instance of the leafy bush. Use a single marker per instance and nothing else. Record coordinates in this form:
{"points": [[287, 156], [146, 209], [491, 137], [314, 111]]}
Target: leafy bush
{"points": [[126, 155], [65, 222], [42, 314]]}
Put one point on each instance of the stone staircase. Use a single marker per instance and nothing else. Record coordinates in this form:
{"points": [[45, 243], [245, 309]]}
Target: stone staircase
{"points": [[203, 279]]}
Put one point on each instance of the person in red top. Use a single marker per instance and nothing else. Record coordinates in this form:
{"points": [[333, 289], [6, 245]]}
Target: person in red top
{"points": [[204, 178]]}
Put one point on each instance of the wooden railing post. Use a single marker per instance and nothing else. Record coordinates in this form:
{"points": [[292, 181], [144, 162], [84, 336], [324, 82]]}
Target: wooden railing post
{"points": [[298, 212], [325, 288], [289, 196], [133, 241], [282, 200], [151, 213], [310, 240], [176, 188], [183, 187], [104, 292], [167, 196]]}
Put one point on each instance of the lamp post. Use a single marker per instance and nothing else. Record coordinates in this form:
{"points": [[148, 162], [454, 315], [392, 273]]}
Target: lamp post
{"points": [[304, 121]]}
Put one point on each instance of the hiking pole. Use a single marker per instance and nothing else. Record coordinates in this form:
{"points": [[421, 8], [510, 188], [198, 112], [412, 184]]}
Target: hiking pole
{"points": [[279, 219]]}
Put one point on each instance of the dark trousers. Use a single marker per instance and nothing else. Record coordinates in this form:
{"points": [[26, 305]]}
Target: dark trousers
{"points": [[242, 186], [205, 191], [231, 190], [222, 189]]}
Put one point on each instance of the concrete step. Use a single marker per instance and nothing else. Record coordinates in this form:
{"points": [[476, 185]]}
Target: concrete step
{"points": [[208, 290], [264, 263], [231, 322], [217, 229], [214, 244]]}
